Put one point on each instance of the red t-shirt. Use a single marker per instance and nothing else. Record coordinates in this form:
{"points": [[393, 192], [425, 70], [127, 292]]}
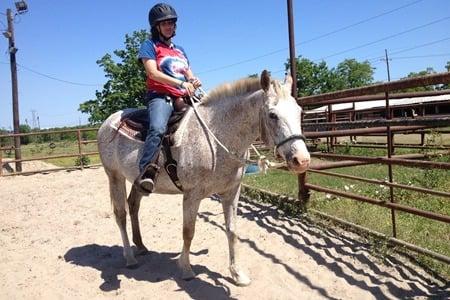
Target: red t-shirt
{"points": [[171, 60]]}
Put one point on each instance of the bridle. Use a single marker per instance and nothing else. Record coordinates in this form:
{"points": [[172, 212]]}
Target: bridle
{"points": [[290, 138]]}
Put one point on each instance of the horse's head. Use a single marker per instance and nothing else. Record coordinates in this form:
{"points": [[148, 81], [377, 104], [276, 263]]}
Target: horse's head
{"points": [[281, 123]]}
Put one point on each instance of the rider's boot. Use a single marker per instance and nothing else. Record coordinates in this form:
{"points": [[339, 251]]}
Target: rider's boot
{"points": [[146, 180]]}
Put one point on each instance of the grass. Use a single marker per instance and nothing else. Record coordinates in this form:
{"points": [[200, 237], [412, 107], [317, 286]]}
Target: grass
{"points": [[36, 150]]}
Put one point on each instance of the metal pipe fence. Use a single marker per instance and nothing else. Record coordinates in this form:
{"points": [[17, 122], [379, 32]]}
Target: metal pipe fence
{"points": [[332, 124], [79, 154]]}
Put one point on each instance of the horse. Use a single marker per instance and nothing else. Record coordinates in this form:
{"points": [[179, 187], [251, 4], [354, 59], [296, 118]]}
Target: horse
{"points": [[210, 147]]}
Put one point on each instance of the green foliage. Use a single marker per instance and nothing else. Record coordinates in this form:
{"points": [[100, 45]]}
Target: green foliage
{"points": [[428, 71], [313, 78], [5, 141], [24, 140], [125, 86], [351, 74], [316, 78], [85, 160], [446, 86]]}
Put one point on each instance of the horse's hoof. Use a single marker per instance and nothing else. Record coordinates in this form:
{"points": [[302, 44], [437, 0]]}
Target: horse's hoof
{"points": [[242, 281], [141, 251], [188, 275], [240, 278], [132, 263], [133, 266]]}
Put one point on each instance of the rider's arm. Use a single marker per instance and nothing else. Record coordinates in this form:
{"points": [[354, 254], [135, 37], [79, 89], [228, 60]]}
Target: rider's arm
{"points": [[155, 74]]}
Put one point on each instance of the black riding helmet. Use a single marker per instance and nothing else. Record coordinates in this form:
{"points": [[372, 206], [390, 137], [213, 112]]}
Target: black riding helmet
{"points": [[161, 12]]}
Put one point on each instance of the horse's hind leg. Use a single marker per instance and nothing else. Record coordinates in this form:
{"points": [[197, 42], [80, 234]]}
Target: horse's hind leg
{"points": [[190, 209], [229, 203], [118, 194], [134, 201]]}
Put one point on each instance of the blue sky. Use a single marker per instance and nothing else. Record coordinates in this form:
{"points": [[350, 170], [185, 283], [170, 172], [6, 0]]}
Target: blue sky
{"points": [[225, 40]]}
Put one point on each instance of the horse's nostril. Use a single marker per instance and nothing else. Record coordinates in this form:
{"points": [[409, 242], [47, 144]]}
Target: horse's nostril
{"points": [[295, 161]]}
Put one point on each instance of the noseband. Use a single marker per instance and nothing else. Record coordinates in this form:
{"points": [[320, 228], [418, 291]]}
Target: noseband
{"points": [[290, 138]]}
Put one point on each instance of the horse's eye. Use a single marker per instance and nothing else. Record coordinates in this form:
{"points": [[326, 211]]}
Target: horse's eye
{"points": [[273, 116]]}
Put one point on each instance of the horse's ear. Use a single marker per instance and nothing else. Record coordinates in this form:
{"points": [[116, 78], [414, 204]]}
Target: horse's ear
{"points": [[265, 80], [288, 82]]}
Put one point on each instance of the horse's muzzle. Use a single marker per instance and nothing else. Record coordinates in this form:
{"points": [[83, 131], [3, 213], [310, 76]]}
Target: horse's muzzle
{"points": [[298, 161]]}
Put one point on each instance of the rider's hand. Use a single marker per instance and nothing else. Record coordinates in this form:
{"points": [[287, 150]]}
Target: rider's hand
{"points": [[189, 87], [195, 82]]}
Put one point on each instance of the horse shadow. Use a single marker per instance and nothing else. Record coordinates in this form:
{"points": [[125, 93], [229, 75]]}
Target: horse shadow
{"points": [[345, 261], [152, 267]]}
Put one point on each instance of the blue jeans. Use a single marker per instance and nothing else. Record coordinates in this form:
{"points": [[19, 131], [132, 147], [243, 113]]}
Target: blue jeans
{"points": [[159, 110]]}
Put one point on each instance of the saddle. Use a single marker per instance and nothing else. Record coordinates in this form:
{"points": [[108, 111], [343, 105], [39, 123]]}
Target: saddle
{"points": [[135, 124]]}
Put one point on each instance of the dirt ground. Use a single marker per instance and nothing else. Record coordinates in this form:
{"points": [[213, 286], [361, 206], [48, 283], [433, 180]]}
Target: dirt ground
{"points": [[59, 241]]}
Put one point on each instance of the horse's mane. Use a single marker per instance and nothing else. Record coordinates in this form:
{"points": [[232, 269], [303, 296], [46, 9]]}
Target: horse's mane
{"points": [[239, 87]]}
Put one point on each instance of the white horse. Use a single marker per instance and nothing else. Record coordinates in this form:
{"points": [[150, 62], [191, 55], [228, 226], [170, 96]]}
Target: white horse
{"points": [[236, 114]]}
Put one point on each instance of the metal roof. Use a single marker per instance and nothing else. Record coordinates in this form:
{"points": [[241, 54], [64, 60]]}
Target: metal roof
{"points": [[379, 103]]}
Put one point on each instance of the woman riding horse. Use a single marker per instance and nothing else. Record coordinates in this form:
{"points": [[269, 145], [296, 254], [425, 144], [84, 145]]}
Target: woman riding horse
{"points": [[168, 77]]}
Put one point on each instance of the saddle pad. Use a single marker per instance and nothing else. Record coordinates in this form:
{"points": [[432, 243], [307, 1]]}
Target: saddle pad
{"points": [[134, 124]]}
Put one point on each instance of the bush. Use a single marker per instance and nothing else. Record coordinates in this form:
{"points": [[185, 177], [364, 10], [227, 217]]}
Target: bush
{"points": [[85, 160]]}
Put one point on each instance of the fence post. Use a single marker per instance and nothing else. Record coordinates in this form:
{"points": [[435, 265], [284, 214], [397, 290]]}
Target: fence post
{"points": [[303, 191], [1, 161], [79, 149]]}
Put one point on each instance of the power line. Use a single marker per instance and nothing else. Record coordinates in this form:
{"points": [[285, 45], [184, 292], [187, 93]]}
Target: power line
{"points": [[357, 23], [55, 78], [420, 46], [312, 39], [421, 56], [409, 49], [376, 61], [385, 38]]}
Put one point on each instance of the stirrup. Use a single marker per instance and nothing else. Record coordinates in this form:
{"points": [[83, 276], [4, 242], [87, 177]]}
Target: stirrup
{"points": [[146, 185], [145, 182]]}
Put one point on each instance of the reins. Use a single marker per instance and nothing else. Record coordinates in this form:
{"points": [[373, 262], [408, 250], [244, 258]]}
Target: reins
{"points": [[263, 162], [232, 154]]}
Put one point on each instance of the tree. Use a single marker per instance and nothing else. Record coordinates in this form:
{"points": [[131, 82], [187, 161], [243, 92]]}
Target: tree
{"points": [[125, 86], [428, 71], [316, 78], [351, 74], [312, 78], [24, 128], [447, 67]]}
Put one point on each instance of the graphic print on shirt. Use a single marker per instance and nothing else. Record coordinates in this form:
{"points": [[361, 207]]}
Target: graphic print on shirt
{"points": [[173, 66], [173, 62]]}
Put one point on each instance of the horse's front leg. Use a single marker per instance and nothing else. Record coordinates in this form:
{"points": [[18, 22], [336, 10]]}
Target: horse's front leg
{"points": [[229, 203], [190, 209]]}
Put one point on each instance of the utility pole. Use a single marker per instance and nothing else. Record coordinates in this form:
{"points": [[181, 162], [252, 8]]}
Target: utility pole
{"points": [[33, 115], [15, 95], [21, 7], [292, 58]]}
